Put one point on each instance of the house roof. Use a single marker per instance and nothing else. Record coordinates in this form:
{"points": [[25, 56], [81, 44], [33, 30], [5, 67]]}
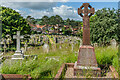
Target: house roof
{"points": [[40, 26], [66, 26], [37, 25]]}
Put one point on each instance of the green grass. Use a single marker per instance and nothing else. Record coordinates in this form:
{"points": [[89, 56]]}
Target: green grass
{"points": [[107, 56], [42, 68]]}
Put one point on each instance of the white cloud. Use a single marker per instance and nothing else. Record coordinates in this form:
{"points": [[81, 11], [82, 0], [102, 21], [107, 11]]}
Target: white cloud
{"points": [[39, 9], [17, 10], [35, 0], [60, 0], [94, 0], [30, 5], [64, 11]]}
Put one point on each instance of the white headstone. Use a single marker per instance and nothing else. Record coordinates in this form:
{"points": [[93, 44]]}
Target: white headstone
{"points": [[18, 53], [113, 43], [46, 48]]}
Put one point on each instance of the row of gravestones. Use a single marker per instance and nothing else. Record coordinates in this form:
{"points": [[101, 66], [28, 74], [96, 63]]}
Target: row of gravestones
{"points": [[57, 39], [38, 39], [19, 54]]}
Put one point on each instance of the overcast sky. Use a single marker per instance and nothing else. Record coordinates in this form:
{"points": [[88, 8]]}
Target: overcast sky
{"points": [[64, 8]]}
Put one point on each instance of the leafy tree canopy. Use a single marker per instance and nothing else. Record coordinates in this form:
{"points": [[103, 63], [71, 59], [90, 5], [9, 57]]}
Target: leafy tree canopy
{"points": [[12, 21], [104, 26]]}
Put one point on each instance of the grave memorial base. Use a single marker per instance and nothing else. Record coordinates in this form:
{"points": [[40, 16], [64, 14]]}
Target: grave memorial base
{"points": [[66, 71], [18, 55], [86, 70], [86, 62]]}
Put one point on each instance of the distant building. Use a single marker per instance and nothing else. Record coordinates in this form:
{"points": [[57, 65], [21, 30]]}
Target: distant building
{"points": [[37, 27], [52, 29]]}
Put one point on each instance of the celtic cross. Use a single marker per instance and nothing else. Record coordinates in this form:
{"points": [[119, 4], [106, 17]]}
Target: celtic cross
{"points": [[86, 13]]}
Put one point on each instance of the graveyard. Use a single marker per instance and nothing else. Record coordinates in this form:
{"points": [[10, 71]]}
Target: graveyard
{"points": [[57, 49]]}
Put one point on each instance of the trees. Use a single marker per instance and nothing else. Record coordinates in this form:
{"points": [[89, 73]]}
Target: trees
{"points": [[31, 20], [45, 20], [104, 26], [13, 21], [68, 21], [58, 20], [52, 20]]}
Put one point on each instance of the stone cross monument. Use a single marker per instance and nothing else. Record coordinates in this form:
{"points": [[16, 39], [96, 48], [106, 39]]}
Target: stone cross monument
{"points": [[86, 26], [18, 53], [86, 56]]}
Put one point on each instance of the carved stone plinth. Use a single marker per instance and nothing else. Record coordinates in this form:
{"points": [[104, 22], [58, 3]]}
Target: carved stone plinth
{"points": [[86, 61], [86, 56]]}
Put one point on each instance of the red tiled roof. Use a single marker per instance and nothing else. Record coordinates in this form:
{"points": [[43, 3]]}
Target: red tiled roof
{"points": [[40, 26], [66, 26]]}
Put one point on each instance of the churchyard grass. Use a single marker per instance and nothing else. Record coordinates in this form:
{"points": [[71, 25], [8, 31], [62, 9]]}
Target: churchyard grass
{"points": [[107, 56], [47, 68]]}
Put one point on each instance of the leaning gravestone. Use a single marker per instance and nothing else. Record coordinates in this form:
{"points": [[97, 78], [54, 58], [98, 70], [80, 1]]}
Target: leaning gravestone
{"points": [[18, 53], [86, 57]]}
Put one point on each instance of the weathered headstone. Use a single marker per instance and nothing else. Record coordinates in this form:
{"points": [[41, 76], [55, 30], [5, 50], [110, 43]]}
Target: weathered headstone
{"points": [[36, 39], [25, 45], [32, 40], [46, 48], [113, 43], [4, 43], [86, 57], [72, 46], [8, 41], [95, 44], [4, 46], [18, 53], [39, 39]]}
